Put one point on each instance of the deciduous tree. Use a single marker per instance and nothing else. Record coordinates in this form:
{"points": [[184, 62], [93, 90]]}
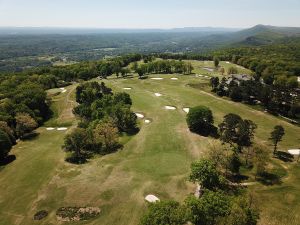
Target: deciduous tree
{"points": [[276, 136], [5, 145], [25, 124], [200, 120], [106, 133]]}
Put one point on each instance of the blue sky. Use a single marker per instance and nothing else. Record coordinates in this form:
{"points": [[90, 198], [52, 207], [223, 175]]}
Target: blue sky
{"points": [[149, 14]]}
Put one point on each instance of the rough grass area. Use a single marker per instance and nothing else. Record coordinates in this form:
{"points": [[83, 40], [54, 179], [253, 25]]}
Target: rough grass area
{"points": [[156, 161]]}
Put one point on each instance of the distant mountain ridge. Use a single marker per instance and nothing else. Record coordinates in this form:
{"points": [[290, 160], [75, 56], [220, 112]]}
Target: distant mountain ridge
{"points": [[213, 36], [264, 34], [74, 31]]}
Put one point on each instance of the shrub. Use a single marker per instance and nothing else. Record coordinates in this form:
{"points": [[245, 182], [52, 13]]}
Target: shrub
{"points": [[40, 215]]}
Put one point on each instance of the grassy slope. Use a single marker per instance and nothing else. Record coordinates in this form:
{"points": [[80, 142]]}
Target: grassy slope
{"points": [[198, 67], [155, 161]]}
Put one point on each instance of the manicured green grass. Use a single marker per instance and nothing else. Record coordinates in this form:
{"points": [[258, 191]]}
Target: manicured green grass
{"points": [[61, 106], [154, 161], [199, 68]]}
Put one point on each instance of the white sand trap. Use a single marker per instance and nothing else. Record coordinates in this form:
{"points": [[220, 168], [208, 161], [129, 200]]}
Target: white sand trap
{"points": [[206, 76], [152, 198], [174, 78], [228, 62], [139, 115], [208, 69], [127, 88], [187, 110], [63, 91], [294, 151], [157, 78], [157, 94], [62, 128], [50, 128], [147, 121], [170, 107]]}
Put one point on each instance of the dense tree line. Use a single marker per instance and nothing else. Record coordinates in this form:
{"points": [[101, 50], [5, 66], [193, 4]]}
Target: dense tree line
{"points": [[279, 96], [163, 66], [104, 115], [280, 58]]}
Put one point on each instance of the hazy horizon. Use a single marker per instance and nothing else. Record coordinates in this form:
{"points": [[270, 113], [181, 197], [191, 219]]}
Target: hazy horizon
{"points": [[134, 14]]}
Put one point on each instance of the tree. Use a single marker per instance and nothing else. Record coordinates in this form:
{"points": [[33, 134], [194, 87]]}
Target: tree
{"points": [[189, 68], [232, 70], [214, 82], [4, 127], [135, 66], [165, 213], [261, 158], [236, 94], [5, 145], [235, 130], [211, 207], [219, 155], [107, 134], [25, 124], [204, 171], [276, 136], [216, 61], [123, 117], [222, 70], [234, 163], [200, 120], [242, 213], [267, 76], [140, 72], [77, 142]]}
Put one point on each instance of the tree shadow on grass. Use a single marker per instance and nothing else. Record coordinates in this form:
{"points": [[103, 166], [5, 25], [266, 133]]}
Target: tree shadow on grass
{"points": [[284, 156], [269, 179], [76, 160], [9, 159], [237, 178], [209, 131], [30, 136], [133, 131]]}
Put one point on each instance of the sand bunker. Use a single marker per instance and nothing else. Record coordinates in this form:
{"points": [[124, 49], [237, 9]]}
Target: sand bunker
{"points": [[208, 69], [228, 62], [139, 115], [157, 78], [206, 76], [152, 198], [62, 128], [50, 128], [127, 88], [187, 110], [294, 151], [174, 78], [64, 91], [157, 94], [170, 107], [147, 121]]}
